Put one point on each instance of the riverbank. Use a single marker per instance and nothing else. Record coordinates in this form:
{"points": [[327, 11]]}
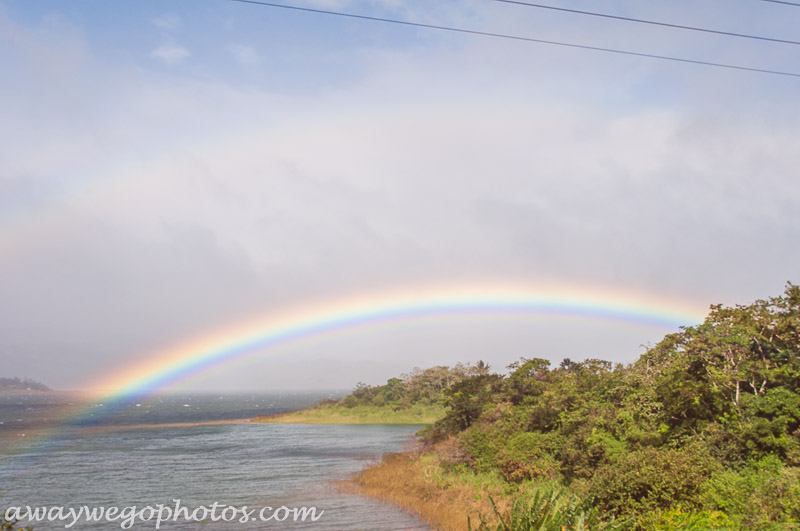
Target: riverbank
{"points": [[361, 414], [423, 484]]}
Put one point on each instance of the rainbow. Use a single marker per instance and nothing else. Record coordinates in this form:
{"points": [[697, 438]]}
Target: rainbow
{"points": [[233, 344], [161, 369]]}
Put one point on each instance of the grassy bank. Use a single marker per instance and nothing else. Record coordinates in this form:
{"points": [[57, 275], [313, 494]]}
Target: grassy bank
{"points": [[421, 483], [361, 414], [452, 497]]}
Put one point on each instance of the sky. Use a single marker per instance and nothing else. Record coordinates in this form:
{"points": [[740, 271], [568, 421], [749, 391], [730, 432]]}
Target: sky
{"points": [[173, 168]]}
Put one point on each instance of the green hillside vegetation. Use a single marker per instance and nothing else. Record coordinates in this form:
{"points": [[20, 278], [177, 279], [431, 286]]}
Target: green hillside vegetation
{"points": [[702, 432], [415, 398], [26, 384]]}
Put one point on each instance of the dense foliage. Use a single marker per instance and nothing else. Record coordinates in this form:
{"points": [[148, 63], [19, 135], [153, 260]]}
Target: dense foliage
{"points": [[702, 432], [25, 384]]}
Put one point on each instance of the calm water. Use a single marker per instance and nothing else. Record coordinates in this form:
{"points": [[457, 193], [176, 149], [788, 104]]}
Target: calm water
{"points": [[257, 465]]}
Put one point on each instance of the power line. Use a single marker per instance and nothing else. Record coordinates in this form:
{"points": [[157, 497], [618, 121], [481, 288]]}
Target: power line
{"points": [[518, 38], [654, 23], [782, 2]]}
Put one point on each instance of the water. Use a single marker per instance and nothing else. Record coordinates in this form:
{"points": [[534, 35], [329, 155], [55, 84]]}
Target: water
{"points": [[112, 460]]}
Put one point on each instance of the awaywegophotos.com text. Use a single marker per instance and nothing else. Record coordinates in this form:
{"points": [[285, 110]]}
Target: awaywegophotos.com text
{"points": [[129, 516]]}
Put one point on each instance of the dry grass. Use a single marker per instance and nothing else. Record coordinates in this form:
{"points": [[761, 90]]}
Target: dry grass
{"points": [[421, 484], [320, 414]]}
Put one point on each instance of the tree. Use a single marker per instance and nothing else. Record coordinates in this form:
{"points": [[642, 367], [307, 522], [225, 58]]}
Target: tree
{"points": [[468, 398]]}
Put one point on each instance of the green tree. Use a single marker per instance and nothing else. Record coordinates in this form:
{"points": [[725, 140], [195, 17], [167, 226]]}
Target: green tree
{"points": [[467, 399]]}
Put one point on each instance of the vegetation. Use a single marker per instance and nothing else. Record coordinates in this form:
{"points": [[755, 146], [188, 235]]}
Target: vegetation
{"points": [[10, 525], [425, 484], [416, 398], [548, 509], [333, 413], [702, 432], [26, 384]]}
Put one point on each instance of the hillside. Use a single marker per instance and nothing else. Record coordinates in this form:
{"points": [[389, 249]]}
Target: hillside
{"points": [[702, 432], [26, 384]]}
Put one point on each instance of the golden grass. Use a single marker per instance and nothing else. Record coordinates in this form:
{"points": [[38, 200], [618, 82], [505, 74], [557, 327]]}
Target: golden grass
{"points": [[421, 484], [326, 414]]}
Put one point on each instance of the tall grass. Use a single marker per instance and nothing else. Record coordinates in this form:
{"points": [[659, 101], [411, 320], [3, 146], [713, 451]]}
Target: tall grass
{"points": [[422, 486], [549, 509], [453, 498]]}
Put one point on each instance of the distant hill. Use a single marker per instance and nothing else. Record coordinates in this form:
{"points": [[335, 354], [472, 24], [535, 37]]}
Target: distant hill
{"points": [[25, 384]]}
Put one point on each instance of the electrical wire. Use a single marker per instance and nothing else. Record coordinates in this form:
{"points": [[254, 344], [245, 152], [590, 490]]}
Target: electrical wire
{"points": [[519, 38], [782, 2], [652, 22]]}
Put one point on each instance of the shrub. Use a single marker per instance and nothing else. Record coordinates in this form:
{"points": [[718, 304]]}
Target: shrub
{"points": [[652, 479], [677, 519], [549, 509], [763, 492], [526, 456], [482, 445]]}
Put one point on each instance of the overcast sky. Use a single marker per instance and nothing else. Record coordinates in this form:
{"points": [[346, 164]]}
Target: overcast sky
{"points": [[169, 168]]}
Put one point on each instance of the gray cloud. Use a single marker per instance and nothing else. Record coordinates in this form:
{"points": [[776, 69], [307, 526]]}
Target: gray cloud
{"points": [[166, 206]]}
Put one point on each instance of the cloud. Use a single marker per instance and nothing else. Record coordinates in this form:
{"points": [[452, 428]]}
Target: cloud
{"points": [[163, 205], [167, 22], [244, 54], [171, 53]]}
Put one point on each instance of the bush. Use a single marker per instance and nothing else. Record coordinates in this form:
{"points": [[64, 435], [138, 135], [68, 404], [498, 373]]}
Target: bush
{"points": [[652, 479], [482, 445], [587, 449], [549, 509], [763, 492], [526, 456], [679, 520]]}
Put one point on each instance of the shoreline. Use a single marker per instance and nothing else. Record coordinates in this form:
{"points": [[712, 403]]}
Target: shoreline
{"points": [[272, 418], [414, 416], [416, 482], [400, 479]]}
